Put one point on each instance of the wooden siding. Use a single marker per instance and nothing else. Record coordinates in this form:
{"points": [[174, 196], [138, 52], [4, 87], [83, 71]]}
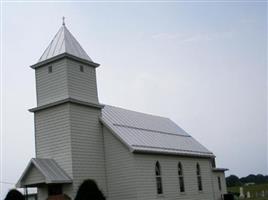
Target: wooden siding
{"points": [[218, 192], [120, 169], [82, 85], [53, 136], [66, 81], [51, 87], [34, 176], [87, 146], [145, 165]]}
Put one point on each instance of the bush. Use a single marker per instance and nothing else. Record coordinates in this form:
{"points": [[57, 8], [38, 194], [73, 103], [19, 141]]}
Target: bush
{"points": [[14, 195], [89, 190]]}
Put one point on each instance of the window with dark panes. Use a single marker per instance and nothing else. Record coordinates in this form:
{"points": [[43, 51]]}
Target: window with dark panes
{"points": [[81, 68], [199, 178], [219, 182], [158, 177], [181, 179], [50, 69]]}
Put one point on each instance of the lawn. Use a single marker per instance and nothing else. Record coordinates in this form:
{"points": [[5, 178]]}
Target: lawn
{"points": [[255, 191]]}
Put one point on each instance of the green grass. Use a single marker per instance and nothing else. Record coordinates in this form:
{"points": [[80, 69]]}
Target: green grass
{"points": [[252, 189]]}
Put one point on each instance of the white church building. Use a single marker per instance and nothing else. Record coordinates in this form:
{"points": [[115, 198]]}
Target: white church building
{"points": [[131, 155]]}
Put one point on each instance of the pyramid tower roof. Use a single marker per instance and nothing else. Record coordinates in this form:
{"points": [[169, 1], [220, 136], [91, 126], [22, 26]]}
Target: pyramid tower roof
{"points": [[64, 43]]}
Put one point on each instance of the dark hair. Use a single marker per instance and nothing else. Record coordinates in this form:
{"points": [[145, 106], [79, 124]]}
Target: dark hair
{"points": [[14, 195], [89, 190]]}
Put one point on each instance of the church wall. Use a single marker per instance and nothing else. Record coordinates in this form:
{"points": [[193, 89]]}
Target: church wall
{"points": [[82, 85], [53, 136], [51, 87], [218, 192], [87, 146], [145, 165], [120, 168]]}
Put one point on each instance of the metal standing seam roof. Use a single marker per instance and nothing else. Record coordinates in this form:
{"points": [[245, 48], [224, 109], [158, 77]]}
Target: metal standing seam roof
{"points": [[152, 134], [64, 42], [51, 171]]}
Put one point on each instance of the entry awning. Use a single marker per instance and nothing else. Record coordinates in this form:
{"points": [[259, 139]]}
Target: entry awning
{"points": [[219, 169], [42, 171]]}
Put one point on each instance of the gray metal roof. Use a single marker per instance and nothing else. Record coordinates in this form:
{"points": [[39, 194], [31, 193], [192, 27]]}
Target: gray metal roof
{"points": [[51, 171], [219, 169], [152, 134], [64, 42]]}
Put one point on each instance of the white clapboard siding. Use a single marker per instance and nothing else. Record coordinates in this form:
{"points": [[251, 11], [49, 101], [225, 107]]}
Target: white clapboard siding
{"points": [[145, 165], [51, 87], [218, 192], [53, 136], [82, 85], [34, 176], [87, 146], [120, 166]]}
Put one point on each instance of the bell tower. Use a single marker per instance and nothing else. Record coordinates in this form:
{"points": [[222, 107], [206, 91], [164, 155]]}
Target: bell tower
{"points": [[67, 128]]}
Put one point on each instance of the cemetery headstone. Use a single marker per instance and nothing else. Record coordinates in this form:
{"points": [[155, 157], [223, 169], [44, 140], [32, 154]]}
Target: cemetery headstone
{"points": [[241, 196]]}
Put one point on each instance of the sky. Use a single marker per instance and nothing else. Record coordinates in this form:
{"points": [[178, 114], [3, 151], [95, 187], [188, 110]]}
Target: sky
{"points": [[201, 64]]}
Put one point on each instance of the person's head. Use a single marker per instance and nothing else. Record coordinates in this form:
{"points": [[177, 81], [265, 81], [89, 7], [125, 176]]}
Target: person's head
{"points": [[89, 190], [14, 195]]}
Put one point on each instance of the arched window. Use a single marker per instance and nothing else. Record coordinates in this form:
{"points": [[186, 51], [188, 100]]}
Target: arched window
{"points": [[181, 180], [199, 179], [219, 182], [158, 178]]}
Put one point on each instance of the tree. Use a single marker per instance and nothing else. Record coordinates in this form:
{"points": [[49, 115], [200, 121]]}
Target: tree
{"points": [[233, 180]]}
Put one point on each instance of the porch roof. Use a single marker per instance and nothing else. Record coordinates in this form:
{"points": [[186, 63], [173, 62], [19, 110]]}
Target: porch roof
{"points": [[42, 171]]}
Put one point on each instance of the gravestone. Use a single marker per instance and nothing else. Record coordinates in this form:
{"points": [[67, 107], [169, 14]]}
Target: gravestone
{"points": [[241, 196], [248, 194]]}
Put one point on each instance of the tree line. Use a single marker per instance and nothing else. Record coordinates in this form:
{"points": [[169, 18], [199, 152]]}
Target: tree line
{"points": [[233, 180]]}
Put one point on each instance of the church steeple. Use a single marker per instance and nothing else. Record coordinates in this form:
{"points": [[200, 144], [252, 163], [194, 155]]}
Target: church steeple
{"points": [[65, 71], [68, 133], [64, 42]]}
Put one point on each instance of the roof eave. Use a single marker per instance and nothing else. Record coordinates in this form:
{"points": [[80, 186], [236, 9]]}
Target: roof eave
{"points": [[220, 169], [64, 55], [142, 151], [58, 181], [46, 180], [67, 100], [18, 184]]}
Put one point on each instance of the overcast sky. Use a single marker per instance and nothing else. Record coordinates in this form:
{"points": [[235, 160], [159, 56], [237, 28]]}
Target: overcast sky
{"points": [[201, 64]]}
